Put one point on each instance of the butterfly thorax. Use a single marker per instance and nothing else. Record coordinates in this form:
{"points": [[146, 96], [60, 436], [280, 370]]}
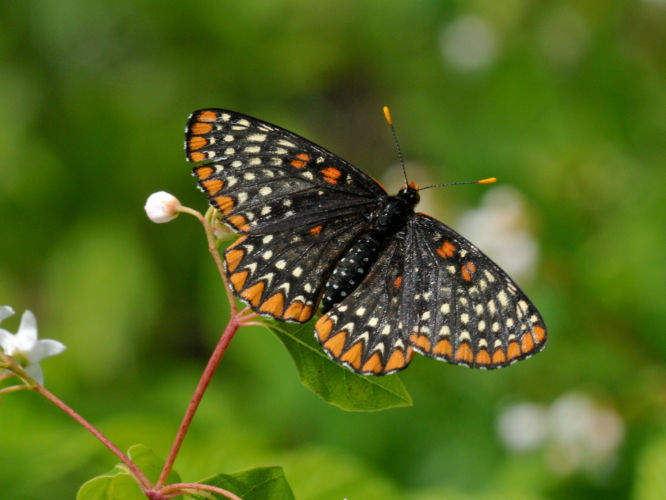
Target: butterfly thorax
{"points": [[387, 219]]}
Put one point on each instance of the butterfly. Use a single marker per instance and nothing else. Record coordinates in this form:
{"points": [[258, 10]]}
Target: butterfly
{"points": [[316, 231]]}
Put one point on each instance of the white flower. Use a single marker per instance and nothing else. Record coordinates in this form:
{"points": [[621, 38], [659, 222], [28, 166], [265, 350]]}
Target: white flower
{"points": [[24, 346], [162, 207]]}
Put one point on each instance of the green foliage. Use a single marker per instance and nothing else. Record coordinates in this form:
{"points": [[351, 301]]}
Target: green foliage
{"points": [[332, 382], [149, 463], [254, 484], [115, 486], [258, 483], [119, 484]]}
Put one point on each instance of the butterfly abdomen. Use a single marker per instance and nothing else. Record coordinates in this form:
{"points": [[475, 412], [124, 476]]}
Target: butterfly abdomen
{"points": [[351, 270]]}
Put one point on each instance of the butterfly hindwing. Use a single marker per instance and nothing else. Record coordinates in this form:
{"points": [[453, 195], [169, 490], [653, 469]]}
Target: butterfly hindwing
{"points": [[282, 275], [265, 179], [461, 307], [365, 331]]}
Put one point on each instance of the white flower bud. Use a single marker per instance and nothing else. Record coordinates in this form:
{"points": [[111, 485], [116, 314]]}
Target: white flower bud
{"points": [[162, 207]]}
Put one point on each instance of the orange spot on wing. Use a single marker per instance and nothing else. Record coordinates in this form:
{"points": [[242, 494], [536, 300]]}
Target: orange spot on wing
{"points": [[464, 353], [203, 172], [483, 358], [331, 172], [199, 128], [316, 230], [323, 328], [374, 364], [197, 156], [353, 355], [212, 186], [294, 310], [499, 357], [238, 279], [207, 116], [527, 343], [223, 203], [331, 175], [274, 305], [306, 314], [513, 351], [446, 250], [467, 270], [539, 334], [443, 348], [237, 242], [396, 361], [253, 294], [233, 258], [420, 341], [196, 143], [336, 343], [301, 160], [239, 222], [397, 282]]}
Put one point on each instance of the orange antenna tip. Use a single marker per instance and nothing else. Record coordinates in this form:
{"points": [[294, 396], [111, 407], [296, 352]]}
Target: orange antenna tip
{"points": [[489, 180], [387, 115]]}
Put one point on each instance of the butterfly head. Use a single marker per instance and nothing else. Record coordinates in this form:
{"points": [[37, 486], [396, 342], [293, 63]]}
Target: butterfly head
{"points": [[410, 194]]}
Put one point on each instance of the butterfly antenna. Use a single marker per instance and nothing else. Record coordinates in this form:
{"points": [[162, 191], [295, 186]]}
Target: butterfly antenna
{"points": [[489, 180], [389, 120]]}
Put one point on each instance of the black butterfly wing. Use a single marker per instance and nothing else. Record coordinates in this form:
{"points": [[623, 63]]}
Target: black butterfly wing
{"points": [[282, 275], [297, 205], [265, 179], [459, 306], [365, 331], [433, 292]]}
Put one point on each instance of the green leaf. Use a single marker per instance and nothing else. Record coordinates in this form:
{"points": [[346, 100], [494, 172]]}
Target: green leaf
{"points": [[150, 464], [259, 483], [118, 486], [335, 383]]}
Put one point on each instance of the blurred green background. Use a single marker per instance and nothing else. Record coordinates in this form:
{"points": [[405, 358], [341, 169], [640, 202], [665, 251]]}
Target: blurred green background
{"points": [[564, 102]]}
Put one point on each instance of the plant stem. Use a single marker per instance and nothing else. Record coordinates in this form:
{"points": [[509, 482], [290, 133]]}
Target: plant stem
{"points": [[227, 335], [180, 488], [143, 481], [213, 249]]}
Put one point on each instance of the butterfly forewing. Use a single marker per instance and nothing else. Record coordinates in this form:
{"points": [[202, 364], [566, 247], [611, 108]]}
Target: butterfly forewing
{"points": [[266, 179]]}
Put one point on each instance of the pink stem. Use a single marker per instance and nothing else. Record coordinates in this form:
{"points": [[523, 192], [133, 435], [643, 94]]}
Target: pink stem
{"points": [[205, 379], [180, 488], [143, 481]]}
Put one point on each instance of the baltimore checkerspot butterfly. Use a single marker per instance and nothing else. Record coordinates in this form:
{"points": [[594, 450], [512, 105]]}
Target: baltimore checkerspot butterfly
{"points": [[316, 230]]}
